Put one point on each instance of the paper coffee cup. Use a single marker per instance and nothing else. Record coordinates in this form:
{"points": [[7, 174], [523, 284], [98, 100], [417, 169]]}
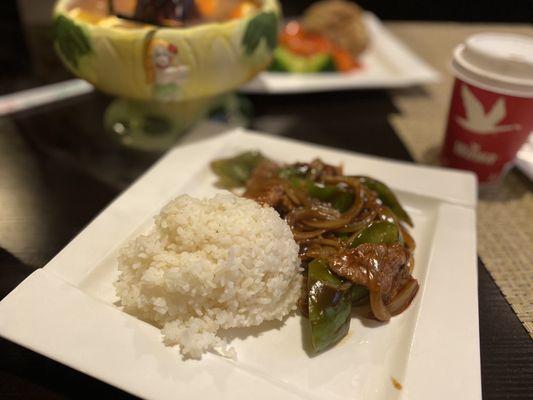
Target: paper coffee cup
{"points": [[491, 110]]}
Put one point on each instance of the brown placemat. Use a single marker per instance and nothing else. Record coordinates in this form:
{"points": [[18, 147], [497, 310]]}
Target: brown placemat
{"points": [[505, 215]]}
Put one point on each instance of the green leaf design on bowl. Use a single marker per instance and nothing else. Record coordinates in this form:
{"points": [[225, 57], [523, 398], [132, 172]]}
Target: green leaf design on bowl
{"points": [[262, 26], [71, 41]]}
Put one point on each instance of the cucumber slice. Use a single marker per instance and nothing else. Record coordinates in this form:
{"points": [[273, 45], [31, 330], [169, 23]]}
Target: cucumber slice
{"points": [[286, 61]]}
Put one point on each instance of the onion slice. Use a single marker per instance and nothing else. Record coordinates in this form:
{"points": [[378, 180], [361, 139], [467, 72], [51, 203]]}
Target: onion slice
{"points": [[404, 297], [329, 242], [407, 238], [301, 235], [298, 214], [379, 309], [356, 226], [349, 215]]}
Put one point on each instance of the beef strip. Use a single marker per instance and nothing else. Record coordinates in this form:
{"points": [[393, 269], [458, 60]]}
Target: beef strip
{"points": [[270, 193], [376, 266], [264, 186], [317, 169]]}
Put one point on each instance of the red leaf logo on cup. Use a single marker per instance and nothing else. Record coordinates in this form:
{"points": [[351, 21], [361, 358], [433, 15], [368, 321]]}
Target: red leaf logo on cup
{"points": [[480, 122]]}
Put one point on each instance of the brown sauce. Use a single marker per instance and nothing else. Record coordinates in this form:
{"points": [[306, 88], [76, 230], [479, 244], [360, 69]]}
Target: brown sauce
{"points": [[397, 385]]}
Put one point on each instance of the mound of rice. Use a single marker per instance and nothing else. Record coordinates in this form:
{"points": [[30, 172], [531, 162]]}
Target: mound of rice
{"points": [[207, 265]]}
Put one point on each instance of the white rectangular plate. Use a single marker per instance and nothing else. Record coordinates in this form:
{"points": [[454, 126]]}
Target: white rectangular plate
{"points": [[387, 63], [66, 310]]}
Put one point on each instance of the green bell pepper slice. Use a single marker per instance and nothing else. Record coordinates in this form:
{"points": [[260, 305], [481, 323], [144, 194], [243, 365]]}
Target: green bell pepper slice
{"points": [[291, 172], [358, 293], [235, 171], [339, 198], [330, 306], [388, 198], [320, 191], [377, 232]]}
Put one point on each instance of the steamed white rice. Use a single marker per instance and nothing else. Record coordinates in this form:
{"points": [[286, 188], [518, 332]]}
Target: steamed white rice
{"points": [[209, 265]]}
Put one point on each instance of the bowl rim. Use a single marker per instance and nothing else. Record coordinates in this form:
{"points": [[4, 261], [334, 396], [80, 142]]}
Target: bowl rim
{"points": [[61, 8]]}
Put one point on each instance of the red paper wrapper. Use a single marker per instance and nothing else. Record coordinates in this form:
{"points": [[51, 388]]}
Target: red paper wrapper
{"points": [[485, 130]]}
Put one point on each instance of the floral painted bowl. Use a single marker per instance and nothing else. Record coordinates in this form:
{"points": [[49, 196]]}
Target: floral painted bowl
{"points": [[146, 62]]}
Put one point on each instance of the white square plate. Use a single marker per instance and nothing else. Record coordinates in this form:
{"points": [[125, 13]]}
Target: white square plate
{"points": [[66, 309], [387, 63]]}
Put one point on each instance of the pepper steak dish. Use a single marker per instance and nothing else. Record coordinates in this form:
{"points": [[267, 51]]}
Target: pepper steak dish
{"points": [[355, 247]]}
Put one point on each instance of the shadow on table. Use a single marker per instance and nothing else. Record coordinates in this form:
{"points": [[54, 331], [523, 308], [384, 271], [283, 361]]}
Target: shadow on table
{"points": [[514, 186], [349, 120], [12, 272], [414, 91]]}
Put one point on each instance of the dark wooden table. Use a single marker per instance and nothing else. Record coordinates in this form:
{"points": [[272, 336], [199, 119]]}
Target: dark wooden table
{"points": [[58, 169]]}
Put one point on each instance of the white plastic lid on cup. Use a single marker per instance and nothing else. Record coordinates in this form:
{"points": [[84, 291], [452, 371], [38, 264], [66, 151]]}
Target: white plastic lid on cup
{"points": [[499, 62]]}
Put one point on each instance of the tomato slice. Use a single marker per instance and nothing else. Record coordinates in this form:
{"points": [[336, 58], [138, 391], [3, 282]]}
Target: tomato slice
{"points": [[343, 60], [295, 39], [302, 43]]}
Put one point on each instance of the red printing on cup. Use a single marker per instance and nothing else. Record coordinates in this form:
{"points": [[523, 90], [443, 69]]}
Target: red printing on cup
{"points": [[485, 130]]}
